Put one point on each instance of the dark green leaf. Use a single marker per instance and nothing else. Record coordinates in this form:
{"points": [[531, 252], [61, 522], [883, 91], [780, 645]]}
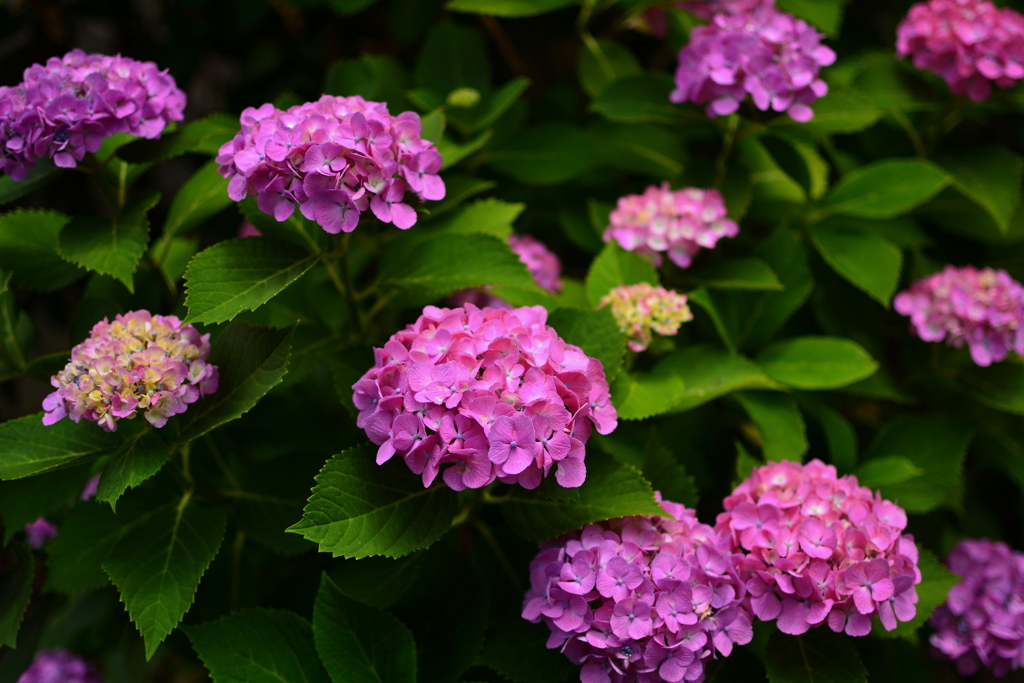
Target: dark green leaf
{"points": [[825, 14], [865, 258], [596, 332], [990, 176], [516, 650], [378, 78], [29, 248], [641, 99], [486, 216], [887, 188], [638, 395], [545, 154], [818, 656], [15, 591], [25, 500], [837, 112], [615, 266], [508, 8], [779, 422], [1000, 386], [667, 474], [452, 152], [204, 136], [801, 162], [709, 373], [788, 258], [602, 62], [739, 273], [203, 195], [42, 174], [936, 582], [842, 440], [891, 469], [453, 57], [29, 447], [138, 458], [816, 362], [459, 188], [647, 148], [271, 498], [377, 581]]}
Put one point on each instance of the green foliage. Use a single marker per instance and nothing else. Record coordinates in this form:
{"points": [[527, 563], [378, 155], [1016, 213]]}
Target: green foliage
{"points": [[740, 273], [204, 136], [602, 62], [596, 332], [205, 193], [29, 248], [139, 457], [865, 258], [990, 177], [887, 188], [614, 267], [508, 8], [817, 362], [936, 582], [25, 500], [818, 656], [544, 155], [27, 447], [640, 99], [779, 424], [517, 651], [15, 592]]}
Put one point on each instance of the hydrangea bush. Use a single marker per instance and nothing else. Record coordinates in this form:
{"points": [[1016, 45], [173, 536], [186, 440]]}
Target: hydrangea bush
{"points": [[517, 341]]}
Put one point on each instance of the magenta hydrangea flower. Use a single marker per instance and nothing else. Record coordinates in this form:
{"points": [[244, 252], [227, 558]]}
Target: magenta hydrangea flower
{"points": [[247, 229], [140, 363], [335, 158], [770, 55], [821, 549], [486, 394], [981, 308], [969, 43], [59, 666], [981, 624], [66, 107], [680, 223], [641, 310], [640, 599], [707, 9], [39, 533], [543, 264], [90, 488]]}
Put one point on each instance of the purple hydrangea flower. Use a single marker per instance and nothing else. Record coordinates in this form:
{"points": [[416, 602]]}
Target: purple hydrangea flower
{"points": [[487, 394], [59, 666], [335, 158], [90, 488], [543, 264], [982, 308], [140, 363], [969, 43], [770, 55], [66, 108], [640, 599], [981, 625], [39, 533]]}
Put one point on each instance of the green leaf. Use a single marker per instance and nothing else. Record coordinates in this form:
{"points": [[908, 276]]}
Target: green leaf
{"points": [[545, 154], [603, 62], [779, 422], [740, 273], [489, 216], [667, 474], [29, 249], [596, 332], [15, 591], [492, 107], [453, 57], [158, 566], [999, 386], [204, 136], [818, 656], [41, 175], [801, 162], [990, 176], [866, 259], [837, 112], [258, 646], [639, 395], [611, 490], [359, 508], [241, 275], [203, 195], [508, 8], [174, 257], [615, 266], [140, 457], [891, 469], [934, 445], [378, 78], [825, 14], [25, 500], [459, 188], [641, 99], [252, 361], [788, 257], [348, 7], [358, 643], [887, 188], [377, 581], [111, 247], [841, 438], [452, 152], [516, 650], [724, 317], [936, 582], [709, 373], [647, 148], [814, 362], [28, 447]]}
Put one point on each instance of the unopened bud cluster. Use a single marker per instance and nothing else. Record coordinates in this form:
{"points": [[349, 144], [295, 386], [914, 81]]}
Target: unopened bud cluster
{"points": [[643, 310]]}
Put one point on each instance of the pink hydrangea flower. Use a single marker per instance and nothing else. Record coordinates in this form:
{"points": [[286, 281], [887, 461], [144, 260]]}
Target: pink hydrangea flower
{"points": [[39, 533], [770, 55], [821, 549], [486, 394], [59, 666], [67, 107], [247, 229], [707, 9], [140, 363], [981, 625], [543, 264], [982, 308], [335, 158], [90, 488], [969, 43], [640, 599], [679, 222], [642, 310]]}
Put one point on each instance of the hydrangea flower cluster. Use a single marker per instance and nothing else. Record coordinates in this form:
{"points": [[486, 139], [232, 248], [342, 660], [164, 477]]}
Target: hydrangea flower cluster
{"points": [[821, 549], [981, 625], [494, 393], [642, 309], [679, 222], [140, 363], [771, 55], [543, 264], [707, 9], [59, 666], [969, 43], [39, 533], [982, 308], [640, 599], [66, 108], [335, 158]]}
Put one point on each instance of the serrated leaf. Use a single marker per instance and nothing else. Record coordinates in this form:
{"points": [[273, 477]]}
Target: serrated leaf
{"points": [[545, 154], [517, 651], [740, 273], [818, 656], [204, 136], [641, 99], [508, 8], [138, 458], [891, 469], [158, 566], [815, 362], [15, 591], [602, 62], [358, 643], [936, 582], [779, 422], [29, 249], [271, 498], [111, 247], [708, 373], [377, 581], [258, 646], [990, 176], [866, 259], [29, 447], [489, 216], [252, 361], [25, 500], [203, 195], [611, 490], [638, 395], [596, 332], [887, 188], [358, 508], [615, 266], [241, 275]]}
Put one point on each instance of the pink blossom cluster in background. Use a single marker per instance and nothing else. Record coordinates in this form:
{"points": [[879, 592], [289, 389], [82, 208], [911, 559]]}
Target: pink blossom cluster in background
{"points": [[770, 55], [982, 308], [39, 533], [335, 158], [641, 310], [969, 43], [59, 666], [821, 549], [67, 107], [640, 599], [543, 264], [707, 9], [493, 393], [679, 222], [247, 229], [140, 363], [981, 625]]}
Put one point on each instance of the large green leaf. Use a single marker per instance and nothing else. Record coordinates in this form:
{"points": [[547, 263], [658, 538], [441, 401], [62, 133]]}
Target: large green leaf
{"points": [[709, 373], [788, 258], [779, 422], [516, 650], [818, 656], [667, 474], [44, 171], [602, 62], [258, 646], [838, 112], [800, 161], [936, 582], [453, 57], [378, 78], [990, 176], [359, 508], [158, 566], [241, 275], [740, 273], [545, 154], [841, 438], [377, 581], [138, 458], [204, 136], [641, 99], [358, 643], [612, 489], [887, 188], [647, 148], [1000, 386], [508, 8], [862, 256], [252, 361], [615, 266], [29, 447], [203, 194], [638, 395], [25, 500], [596, 332], [816, 362], [489, 216], [886, 470], [29, 249], [825, 14], [15, 591]]}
